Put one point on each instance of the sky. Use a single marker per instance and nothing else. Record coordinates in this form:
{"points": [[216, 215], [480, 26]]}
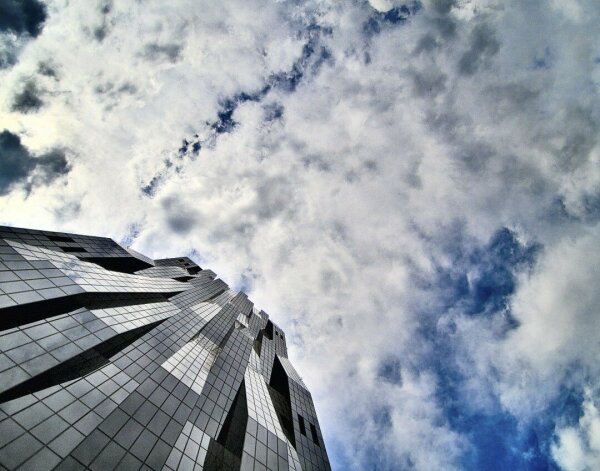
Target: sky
{"points": [[410, 190]]}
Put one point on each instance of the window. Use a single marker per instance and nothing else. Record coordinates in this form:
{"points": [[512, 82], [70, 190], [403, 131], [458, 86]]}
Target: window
{"points": [[56, 238], [313, 432], [302, 427], [73, 249]]}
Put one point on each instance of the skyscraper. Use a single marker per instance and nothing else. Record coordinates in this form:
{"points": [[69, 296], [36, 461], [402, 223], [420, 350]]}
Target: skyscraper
{"points": [[111, 360]]}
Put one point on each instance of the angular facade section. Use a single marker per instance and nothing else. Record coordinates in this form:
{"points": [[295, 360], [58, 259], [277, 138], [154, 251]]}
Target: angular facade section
{"points": [[112, 360]]}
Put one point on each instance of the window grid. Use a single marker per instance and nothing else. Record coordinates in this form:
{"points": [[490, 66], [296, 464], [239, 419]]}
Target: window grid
{"points": [[174, 357]]}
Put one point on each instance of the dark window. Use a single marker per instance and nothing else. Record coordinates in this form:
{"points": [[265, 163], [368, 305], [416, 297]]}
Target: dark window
{"points": [[269, 330], [73, 249], [56, 238], [302, 427], [313, 432]]}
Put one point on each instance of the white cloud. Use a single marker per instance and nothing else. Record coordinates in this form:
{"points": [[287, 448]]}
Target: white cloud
{"points": [[578, 447], [559, 335]]}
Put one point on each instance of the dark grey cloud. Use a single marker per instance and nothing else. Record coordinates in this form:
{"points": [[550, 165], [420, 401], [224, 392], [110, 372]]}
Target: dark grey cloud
{"points": [[380, 20], [8, 53], [390, 370], [100, 32], [106, 7], [28, 99], [19, 166], [19, 22], [169, 51], [51, 165], [315, 161], [274, 196], [330, 281], [475, 156], [180, 218], [426, 44], [273, 111], [511, 97], [429, 82], [445, 27], [114, 90], [22, 16], [581, 138], [443, 24], [111, 94], [483, 46], [150, 189], [180, 223], [446, 121], [47, 69], [16, 163], [67, 211], [442, 7]]}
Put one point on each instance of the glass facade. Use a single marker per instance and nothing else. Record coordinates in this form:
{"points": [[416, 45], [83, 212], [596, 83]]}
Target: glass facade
{"points": [[112, 360]]}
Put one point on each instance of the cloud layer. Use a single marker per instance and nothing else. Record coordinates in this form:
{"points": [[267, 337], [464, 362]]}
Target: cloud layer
{"points": [[18, 166], [410, 189]]}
